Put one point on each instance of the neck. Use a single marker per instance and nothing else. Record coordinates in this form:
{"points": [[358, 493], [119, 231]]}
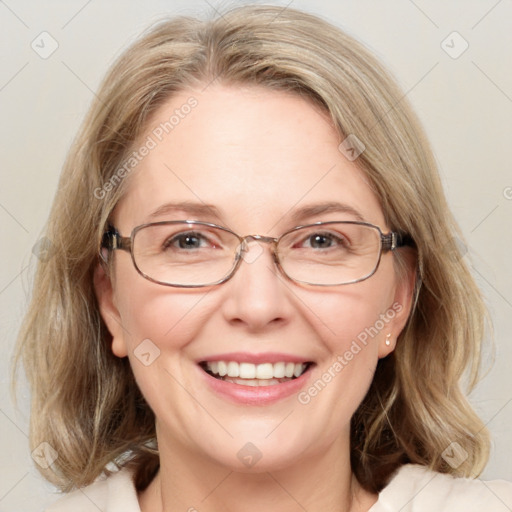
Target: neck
{"points": [[323, 482]]}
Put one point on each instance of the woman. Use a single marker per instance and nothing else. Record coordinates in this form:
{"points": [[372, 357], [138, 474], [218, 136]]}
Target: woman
{"points": [[255, 299]]}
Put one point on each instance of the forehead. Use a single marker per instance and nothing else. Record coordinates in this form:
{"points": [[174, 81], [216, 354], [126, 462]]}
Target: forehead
{"points": [[256, 155]]}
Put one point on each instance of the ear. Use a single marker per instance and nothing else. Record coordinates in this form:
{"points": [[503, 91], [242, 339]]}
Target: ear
{"points": [[109, 312], [403, 300]]}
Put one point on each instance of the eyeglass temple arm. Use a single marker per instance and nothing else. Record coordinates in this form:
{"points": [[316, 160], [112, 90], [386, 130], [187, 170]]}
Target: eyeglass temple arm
{"points": [[113, 240], [393, 240]]}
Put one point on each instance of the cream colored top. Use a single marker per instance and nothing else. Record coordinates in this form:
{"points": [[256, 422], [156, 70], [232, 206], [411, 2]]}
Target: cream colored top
{"points": [[412, 489]]}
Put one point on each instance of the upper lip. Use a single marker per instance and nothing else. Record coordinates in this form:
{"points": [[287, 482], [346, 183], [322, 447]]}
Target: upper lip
{"points": [[263, 357]]}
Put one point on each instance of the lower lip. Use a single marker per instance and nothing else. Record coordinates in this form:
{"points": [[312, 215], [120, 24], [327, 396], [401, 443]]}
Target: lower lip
{"points": [[256, 395]]}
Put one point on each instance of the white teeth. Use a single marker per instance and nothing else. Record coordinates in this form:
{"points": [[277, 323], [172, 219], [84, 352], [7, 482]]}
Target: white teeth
{"points": [[279, 370], [255, 373], [248, 382], [233, 369], [289, 369], [247, 370], [255, 382], [222, 368], [299, 368], [265, 371]]}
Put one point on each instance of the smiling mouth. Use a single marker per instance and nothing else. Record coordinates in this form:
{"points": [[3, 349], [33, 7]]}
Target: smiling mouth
{"points": [[249, 374]]}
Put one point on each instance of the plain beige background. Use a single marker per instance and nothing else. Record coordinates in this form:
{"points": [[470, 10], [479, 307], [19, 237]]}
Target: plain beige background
{"points": [[462, 95]]}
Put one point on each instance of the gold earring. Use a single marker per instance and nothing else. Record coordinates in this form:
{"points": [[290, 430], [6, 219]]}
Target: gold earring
{"points": [[388, 341]]}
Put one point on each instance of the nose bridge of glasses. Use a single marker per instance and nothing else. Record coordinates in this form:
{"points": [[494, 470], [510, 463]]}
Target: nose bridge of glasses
{"points": [[260, 238], [254, 242]]}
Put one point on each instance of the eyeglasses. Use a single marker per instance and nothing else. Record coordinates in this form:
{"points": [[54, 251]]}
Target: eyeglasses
{"points": [[193, 254]]}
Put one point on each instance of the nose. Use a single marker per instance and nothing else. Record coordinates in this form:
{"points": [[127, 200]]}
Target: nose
{"points": [[257, 295]]}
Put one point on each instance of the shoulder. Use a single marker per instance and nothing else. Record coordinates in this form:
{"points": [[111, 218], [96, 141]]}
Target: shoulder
{"points": [[113, 494], [415, 488]]}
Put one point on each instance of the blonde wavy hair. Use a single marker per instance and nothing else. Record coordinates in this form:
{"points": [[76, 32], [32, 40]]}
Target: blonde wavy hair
{"points": [[85, 402]]}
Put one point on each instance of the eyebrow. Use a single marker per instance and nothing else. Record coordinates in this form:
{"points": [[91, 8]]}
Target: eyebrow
{"points": [[314, 210], [190, 208], [202, 210]]}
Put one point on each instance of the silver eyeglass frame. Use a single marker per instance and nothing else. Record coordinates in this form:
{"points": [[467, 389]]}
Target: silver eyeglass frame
{"points": [[112, 240]]}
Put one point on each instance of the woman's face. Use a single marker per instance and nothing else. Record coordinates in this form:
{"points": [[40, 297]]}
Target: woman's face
{"points": [[259, 162]]}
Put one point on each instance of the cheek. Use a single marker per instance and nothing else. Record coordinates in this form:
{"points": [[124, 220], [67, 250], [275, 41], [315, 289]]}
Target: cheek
{"points": [[357, 312], [350, 330], [159, 325], [351, 323], [351, 342], [168, 319], [154, 318]]}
